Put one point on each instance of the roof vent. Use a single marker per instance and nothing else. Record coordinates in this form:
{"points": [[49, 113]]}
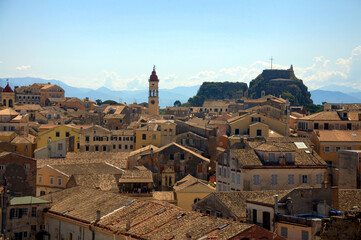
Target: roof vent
{"points": [[223, 226]]}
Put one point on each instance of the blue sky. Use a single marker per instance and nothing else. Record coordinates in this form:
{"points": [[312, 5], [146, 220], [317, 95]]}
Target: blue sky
{"points": [[115, 43]]}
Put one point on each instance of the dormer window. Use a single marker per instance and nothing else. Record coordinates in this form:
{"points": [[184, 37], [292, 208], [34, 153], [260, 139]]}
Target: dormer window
{"points": [[344, 115]]}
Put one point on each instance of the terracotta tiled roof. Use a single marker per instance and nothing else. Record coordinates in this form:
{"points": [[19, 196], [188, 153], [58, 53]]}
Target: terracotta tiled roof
{"points": [[118, 159], [339, 135], [236, 201], [8, 112], [88, 168], [136, 175], [348, 198], [327, 116], [189, 180], [184, 148]]}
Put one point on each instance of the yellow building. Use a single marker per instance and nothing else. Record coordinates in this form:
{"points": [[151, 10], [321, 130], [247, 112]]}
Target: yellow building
{"points": [[147, 135], [329, 142], [7, 136], [190, 190], [57, 132], [246, 125], [50, 180], [25, 145]]}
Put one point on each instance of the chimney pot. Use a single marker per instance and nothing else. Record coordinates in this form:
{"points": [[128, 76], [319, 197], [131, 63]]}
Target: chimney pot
{"points": [[98, 216]]}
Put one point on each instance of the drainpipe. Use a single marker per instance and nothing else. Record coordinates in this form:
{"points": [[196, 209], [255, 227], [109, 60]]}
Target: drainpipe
{"points": [[276, 211]]}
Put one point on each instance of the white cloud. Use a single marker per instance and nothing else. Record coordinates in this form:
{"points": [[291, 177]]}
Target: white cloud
{"points": [[24, 67], [321, 72]]}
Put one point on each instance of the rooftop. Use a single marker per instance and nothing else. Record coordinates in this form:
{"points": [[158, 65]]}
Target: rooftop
{"points": [[28, 200]]}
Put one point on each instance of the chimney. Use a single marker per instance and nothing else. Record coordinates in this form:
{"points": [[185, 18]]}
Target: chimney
{"points": [[49, 83], [127, 226], [276, 203], [98, 216]]}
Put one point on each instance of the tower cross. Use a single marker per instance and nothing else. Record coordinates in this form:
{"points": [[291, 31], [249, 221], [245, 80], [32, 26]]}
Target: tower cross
{"points": [[271, 61]]}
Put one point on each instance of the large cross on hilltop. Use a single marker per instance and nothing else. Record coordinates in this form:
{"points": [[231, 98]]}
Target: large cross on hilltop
{"points": [[271, 61]]}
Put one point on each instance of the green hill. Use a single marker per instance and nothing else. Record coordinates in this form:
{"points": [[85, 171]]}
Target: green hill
{"points": [[217, 91]]}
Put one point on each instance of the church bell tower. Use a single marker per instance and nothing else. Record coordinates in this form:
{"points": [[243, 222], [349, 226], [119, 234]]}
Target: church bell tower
{"points": [[153, 99]]}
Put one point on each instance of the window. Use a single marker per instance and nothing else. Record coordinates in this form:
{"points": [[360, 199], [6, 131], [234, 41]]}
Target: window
{"points": [[274, 179], [318, 178], [224, 172], [144, 136], [338, 149], [259, 132], [27, 166], [288, 157], [255, 179], [182, 156], [120, 146], [325, 126], [154, 137], [291, 179], [315, 126], [60, 146], [304, 235], [236, 131], [219, 214], [87, 138], [284, 232], [125, 146], [78, 145], [40, 178], [2, 167], [51, 180], [304, 179], [271, 157], [219, 171], [104, 148], [224, 187], [97, 148], [33, 228], [114, 146], [349, 148], [327, 149], [57, 134], [238, 178], [87, 148], [233, 177], [33, 211], [171, 156], [26, 148], [131, 146]]}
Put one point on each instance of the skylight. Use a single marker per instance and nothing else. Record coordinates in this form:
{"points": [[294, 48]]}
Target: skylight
{"points": [[300, 145]]}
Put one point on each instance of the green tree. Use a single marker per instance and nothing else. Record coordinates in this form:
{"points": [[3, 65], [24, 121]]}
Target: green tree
{"points": [[177, 103], [98, 102], [110, 102]]}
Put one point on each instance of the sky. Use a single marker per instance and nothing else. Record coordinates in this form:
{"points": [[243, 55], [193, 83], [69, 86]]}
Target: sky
{"points": [[115, 43]]}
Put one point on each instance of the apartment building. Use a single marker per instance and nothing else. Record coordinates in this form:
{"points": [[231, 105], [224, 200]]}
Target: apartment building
{"points": [[274, 164]]}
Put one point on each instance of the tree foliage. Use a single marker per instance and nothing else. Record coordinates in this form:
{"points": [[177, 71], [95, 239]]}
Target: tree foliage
{"points": [[98, 102], [110, 102], [177, 103]]}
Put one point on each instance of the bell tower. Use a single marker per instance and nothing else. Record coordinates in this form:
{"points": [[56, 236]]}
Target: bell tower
{"points": [[153, 99]]}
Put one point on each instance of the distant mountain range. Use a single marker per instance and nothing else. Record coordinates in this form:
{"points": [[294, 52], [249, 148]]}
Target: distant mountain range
{"points": [[167, 96], [331, 93], [336, 94]]}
